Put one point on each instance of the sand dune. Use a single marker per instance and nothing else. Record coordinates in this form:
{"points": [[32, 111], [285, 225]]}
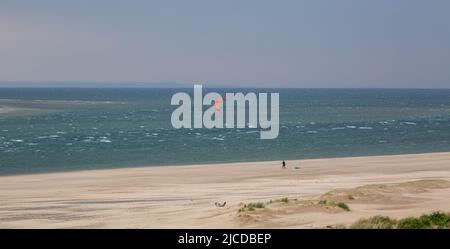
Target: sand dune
{"points": [[185, 196]]}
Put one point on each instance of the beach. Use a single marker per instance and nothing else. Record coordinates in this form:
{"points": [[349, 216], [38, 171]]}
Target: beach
{"points": [[5, 109], [185, 196]]}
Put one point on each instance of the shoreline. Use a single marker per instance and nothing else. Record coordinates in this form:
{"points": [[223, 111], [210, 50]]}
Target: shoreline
{"points": [[209, 164], [183, 196]]}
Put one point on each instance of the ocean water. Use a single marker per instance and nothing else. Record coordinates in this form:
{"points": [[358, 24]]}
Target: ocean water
{"points": [[72, 129]]}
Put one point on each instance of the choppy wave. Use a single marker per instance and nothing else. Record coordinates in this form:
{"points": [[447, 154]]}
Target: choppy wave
{"points": [[132, 127]]}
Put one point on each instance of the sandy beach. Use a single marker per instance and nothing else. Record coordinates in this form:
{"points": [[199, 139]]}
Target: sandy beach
{"points": [[12, 109], [185, 196], [5, 109]]}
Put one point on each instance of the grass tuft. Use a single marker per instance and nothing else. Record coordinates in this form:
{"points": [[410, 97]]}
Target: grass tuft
{"points": [[284, 200], [344, 206], [251, 206], [376, 222], [412, 223], [323, 202]]}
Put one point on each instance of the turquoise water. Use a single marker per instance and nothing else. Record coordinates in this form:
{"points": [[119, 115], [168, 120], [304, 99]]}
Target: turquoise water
{"points": [[71, 129]]}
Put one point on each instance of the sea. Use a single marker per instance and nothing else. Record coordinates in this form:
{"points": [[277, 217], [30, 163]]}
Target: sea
{"points": [[68, 129]]}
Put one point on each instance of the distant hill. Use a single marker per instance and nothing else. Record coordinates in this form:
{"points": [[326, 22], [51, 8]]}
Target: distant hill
{"points": [[95, 84]]}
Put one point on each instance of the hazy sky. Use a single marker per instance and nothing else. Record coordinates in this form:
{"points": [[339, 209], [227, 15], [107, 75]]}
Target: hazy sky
{"points": [[376, 43]]}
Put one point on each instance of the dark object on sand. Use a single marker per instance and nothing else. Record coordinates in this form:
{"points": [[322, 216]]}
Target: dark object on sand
{"points": [[220, 204], [284, 164]]}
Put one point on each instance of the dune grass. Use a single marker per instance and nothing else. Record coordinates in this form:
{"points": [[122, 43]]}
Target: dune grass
{"points": [[344, 206], [284, 200], [341, 205], [322, 202], [252, 206], [375, 222], [427, 221], [433, 220]]}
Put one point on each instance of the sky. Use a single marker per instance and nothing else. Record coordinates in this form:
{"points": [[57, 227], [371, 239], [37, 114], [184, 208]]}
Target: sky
{"points": [[251, 43]]}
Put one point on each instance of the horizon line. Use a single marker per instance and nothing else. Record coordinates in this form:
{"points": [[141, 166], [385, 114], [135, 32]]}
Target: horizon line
{"points": [[221, 87], [173, 85]]}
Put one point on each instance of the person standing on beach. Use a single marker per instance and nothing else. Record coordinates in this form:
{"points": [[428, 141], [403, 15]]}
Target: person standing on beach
{"points": [[283, 164]]}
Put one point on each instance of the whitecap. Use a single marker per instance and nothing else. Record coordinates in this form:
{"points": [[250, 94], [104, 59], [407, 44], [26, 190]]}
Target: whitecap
{"points": [[17, 140], [312, 132], [338, 128], [409, 123], [88, 139], [351, 126], [365, 128]]}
